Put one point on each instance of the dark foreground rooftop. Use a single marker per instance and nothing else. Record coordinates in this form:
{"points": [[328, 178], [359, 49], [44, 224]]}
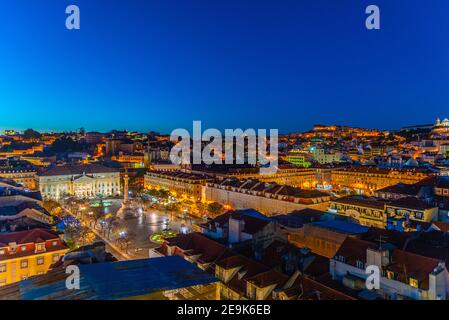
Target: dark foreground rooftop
{"points": [[112, 280]]}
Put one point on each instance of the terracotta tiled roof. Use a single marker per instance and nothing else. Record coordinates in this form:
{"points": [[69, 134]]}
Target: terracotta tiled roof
{"points": [[377, 170], [252, 223], [361, 202], [232, 262], [443, 226], [197, 244], [268, 278], [406, 264], [308, 289], [78, 170], [410, 203], [442, 183], [402, 188], [249, 269], [396, 238], [354, 250], [29, 236]]}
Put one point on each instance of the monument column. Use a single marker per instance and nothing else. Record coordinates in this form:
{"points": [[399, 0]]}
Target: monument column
{"points": [[125, 189]]}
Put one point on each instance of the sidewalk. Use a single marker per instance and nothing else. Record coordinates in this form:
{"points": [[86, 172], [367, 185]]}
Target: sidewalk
{"points": [[108, 242]]}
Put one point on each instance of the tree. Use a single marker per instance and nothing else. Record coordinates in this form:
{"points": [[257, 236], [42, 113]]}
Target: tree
{"points": [[112, 225], [173, 207], [98, 214], [125, 240], [161, 193], [215, 209], [200, 208], [78, 236], [53, 207], [31, 134], [66, 144]]}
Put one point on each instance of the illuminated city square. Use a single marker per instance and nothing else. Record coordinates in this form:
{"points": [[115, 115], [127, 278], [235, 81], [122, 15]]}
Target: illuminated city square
{"points": [[221, 159]]}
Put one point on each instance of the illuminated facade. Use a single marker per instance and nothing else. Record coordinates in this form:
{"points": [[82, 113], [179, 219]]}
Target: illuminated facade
{"points": [[441, 128], [28, 253], [297, 177], [22, 172], [178, 182], [27, 178], [298, 159], [266, 197], [379, 213], [366, 212], [367, 179], [131, 160], [323, 157], [81, 181]]}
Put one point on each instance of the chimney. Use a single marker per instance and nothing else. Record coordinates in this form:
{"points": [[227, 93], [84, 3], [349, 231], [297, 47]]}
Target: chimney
{"points": [[378, 257], [236, 226], [437, 282]]}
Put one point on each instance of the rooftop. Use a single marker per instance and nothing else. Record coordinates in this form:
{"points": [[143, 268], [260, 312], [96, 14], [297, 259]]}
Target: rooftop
{"points": [[411, 203], [341, 226], [112, 281], [361, 202], [78, 170]]}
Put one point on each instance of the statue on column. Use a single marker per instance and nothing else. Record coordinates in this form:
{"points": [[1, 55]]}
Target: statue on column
{"points": [[126, 212], [125, 190]]}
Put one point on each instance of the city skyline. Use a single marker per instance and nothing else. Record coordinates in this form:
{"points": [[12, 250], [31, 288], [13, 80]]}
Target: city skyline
{"points": [[3, 129], [159, 66]]}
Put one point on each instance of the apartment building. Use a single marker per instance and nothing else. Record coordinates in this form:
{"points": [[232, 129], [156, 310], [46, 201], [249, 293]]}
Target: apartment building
{"points": [[28, 253], [265, 197], [368, 179], [178, 182], [403, 275]]}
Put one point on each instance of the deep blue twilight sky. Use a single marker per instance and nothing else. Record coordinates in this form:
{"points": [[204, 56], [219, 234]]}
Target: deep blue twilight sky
{"points": [[159, 64]]}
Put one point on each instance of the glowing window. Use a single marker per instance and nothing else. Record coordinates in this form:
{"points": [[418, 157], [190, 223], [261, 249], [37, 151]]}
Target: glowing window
{"points": [[413, 282]]}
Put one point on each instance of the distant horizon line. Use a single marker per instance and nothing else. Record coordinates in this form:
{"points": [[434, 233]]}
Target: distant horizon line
{"points": [[21, 130]]}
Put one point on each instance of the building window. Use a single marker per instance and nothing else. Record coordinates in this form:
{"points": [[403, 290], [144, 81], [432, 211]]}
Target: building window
{"points": [[413, 282], [360, 264], [55, 257], [2, 282], [40, 247], [40, 261], [251, 292], [23, 248], [2, 268], [24, 264], [390, 275], [55, 243], [2, 252]]}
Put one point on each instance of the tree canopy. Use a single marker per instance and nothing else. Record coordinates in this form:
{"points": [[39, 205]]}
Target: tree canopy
{"points": [[31, 134]]}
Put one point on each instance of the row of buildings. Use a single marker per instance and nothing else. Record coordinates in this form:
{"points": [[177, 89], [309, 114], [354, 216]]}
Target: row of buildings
{"points": [[321, 257], [28, 245]]}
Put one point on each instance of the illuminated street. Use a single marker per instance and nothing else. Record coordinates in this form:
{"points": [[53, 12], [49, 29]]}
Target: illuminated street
{"points": [[144, 226]]}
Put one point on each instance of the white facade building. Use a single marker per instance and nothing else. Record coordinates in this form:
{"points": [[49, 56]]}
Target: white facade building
{"points": [[81, 181]]}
